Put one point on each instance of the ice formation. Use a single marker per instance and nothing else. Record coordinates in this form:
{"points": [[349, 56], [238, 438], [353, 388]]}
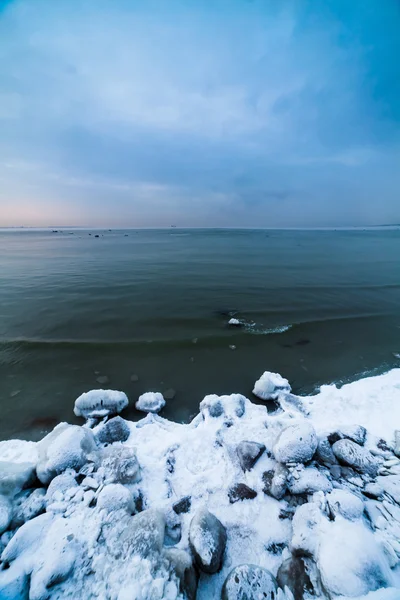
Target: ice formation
{"points": [[150, 402], [298, 504]]}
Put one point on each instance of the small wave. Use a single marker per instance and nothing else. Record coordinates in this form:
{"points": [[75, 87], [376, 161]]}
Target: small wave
{"points": [[270, 330]]}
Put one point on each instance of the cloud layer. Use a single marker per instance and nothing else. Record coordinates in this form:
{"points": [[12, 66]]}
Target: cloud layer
{"points": [[199, 113]]}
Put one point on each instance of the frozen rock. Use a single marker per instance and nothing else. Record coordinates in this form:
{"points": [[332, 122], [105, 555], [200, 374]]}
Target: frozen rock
{"points": [[270, 386], [150, 402], [27, 538], [249, 582], [356, 433], [306, 523], [309, 481], [207, 538], [115, 496], [297, 443], [60, 485], [241, 491], [397, 443], [115, 430], [345, 504], [293, 574], [249, 453], [15, 476], [275, 482], [234, 322], [120, 465], [351, 454], [181, 563], [141, 535], [5, 513], [14, 584], [231, 407], [324, 453], [66, 447], [351, 561], [182, 506], [391, 485], [28, 505], [97, 404]]}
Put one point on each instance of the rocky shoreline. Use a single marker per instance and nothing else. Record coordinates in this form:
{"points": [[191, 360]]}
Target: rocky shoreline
{"points": [[240, 503]]}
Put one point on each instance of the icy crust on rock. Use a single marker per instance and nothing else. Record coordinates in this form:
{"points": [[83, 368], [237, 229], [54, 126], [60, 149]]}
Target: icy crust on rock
{"points": [[89, 512], [270, 386], [150, 402], [100, 403]]}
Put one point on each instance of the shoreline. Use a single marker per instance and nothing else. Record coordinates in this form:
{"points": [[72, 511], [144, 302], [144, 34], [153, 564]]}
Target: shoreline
{"points": [[308, 494]]}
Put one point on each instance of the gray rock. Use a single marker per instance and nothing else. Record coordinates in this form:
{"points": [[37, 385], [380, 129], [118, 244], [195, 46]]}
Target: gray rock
{"points": [[169, 394], [293, 575], [28, 505], [182, 506], [115, 430], [275, 482], [249, 453], [351, 454], [297, 443], [309, 481], [249, 582], [241, 491], [207, 539], [15, 476], [324, 453], [355, 433], [5, 513]]}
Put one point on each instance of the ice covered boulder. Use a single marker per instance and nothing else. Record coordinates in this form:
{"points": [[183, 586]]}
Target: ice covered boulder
{"points": [[98, 404], [345, 504], [249, 453], [28, 538], [150, 402], [6, 511], [207, 538], [249, 582], [351, 560], [115, 430], [270, 386], [356, 433], [352, 455], [66, 447], [115, 496], [292, 574], [230, 407], [307, 521], [181, 563], [308, 481], [275, 481], [297, 443], [28, 504], [60, 485], [141, 535], [15, 476], [119, 464], [324, 453], [234, 322]]}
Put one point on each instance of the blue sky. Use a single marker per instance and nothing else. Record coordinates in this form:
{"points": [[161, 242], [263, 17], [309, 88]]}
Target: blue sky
{"points": [[248, 113]]}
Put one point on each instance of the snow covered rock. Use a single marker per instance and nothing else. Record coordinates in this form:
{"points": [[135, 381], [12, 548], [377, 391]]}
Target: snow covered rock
{"points": [[308, 481], [182, 506], [297, 443], [181, 563], [60, 485], [6, 511], [141, 535], [115, 496], [324, 453], [270, 386], [249, 453], [119, 464], [234, 322], [14, 584], [249, 582], [293, 574], [98, 404], [28, 505], [306, 522], [15, 476], [240, 491], [345, 504], [351, 454], [115, 430], [28, 538], [66, 447], [355, 433], [150, 402], [231, 407], [207, 538], [275, 481]]}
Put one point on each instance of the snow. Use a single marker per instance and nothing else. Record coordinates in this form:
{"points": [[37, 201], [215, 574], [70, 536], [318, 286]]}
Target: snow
{"points": [[150, 402], [100, 403], [270, 386], [234, 322], [109, 521]]}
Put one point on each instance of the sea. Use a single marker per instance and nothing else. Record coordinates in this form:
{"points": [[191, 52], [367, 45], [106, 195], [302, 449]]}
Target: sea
{"points": [[149, 310]]}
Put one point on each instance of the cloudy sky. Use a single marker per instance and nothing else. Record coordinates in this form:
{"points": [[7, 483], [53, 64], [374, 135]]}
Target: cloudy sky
{"points": [[265, 113]]}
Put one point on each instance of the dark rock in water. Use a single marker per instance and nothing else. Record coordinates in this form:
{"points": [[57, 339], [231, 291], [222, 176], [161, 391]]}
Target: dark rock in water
{"points": [[249, 582], [183, 505], [303, 342], [134, 378], [324, 453], [115, 430], [27, 505], [351, 454], [96, 235], [241, 491], [356, 433], [169, 394], [207, 539], [103, 379], [249, 453], [292, 574]]}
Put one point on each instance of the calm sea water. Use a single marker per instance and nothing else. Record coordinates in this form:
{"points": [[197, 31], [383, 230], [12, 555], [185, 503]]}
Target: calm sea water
{"points": [[318, 306]]}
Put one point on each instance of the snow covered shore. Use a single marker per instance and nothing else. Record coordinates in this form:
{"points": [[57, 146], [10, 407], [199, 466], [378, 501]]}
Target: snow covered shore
{"points": [[238, 504]]}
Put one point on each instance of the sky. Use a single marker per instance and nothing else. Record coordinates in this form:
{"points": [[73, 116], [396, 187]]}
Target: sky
{"points": [[199, 113]]}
